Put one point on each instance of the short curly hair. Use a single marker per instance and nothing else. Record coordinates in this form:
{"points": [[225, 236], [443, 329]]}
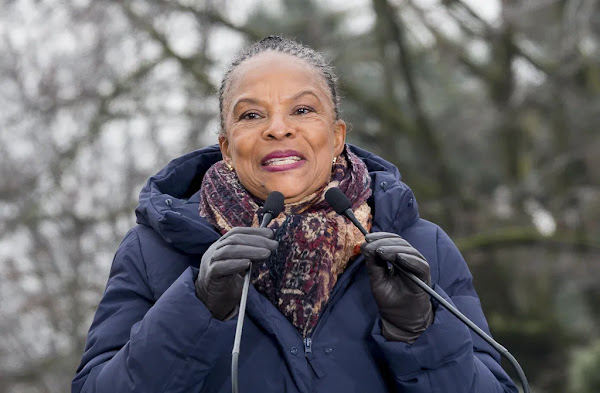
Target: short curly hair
{"points": [[282, 45]]}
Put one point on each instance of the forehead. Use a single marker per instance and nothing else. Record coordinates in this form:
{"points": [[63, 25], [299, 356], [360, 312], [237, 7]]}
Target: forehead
{"points": [[274, 67]]}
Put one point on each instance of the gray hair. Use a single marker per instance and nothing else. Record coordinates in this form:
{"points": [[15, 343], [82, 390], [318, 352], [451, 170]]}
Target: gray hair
{"points": [[282, 45]]}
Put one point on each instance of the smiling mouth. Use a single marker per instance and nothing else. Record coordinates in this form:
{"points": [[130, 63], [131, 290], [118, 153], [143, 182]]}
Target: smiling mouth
{"points": [[282, 161]]}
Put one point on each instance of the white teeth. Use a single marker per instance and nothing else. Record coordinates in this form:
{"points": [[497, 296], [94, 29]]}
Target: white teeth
{"points": [[282, 161]]}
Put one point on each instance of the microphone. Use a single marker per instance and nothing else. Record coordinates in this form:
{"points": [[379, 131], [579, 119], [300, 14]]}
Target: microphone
{"points": [[342, 206], [273, 206]]}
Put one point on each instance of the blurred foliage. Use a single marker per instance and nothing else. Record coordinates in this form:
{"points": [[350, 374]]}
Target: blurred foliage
{"points": [[584, 369], [491, 120]]}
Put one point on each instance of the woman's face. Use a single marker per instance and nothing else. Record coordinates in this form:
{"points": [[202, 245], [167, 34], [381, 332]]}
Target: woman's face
{"points": [[280, 128]]}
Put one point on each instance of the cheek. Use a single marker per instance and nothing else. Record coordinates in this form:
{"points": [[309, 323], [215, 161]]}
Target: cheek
{"points": [[240, 148], [244, 158], [324, 148], [324, 144]]}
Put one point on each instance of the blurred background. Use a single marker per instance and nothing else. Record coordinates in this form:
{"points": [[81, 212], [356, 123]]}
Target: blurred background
{"points": [[489, 108]]}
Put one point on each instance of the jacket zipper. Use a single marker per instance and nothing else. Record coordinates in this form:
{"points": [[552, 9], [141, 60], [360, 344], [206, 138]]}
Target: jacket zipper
{"points": [[307, 345], [346, 277]]}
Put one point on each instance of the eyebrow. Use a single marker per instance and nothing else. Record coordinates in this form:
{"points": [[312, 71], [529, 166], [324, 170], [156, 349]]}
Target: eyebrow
{"points": [[251, 101], [305, 93]]}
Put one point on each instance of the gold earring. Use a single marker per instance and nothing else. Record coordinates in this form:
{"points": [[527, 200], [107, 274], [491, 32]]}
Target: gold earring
{"points": [[334, 160], [229, 167]]}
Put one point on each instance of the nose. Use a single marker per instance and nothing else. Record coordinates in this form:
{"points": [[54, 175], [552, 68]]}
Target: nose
{"points": [[279, 128]]}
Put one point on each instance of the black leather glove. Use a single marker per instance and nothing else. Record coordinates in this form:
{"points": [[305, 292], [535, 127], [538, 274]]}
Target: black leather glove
{"points": [[220, 279], [404, 307]]}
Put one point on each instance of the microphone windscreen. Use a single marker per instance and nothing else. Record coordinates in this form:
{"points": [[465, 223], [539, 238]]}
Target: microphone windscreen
{"points": [[274, 203], [338, 200]]}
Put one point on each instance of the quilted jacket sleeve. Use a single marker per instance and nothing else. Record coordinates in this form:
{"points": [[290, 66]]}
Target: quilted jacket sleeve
{"points": [[138, 345], [448, 357]]}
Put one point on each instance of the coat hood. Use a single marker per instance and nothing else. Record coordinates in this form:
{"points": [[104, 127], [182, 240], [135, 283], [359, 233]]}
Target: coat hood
{"points": [[170, 199]]}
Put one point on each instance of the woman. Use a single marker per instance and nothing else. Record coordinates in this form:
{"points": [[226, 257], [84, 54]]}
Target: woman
{"points": [[324, 314]]}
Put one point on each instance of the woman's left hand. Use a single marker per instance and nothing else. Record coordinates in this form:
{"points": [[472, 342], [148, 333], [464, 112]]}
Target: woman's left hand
{"points": [[405, 308]]}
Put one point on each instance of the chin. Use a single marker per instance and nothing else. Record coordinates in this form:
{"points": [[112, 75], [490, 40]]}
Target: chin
{"points": [[292, 188], [294, 195]]}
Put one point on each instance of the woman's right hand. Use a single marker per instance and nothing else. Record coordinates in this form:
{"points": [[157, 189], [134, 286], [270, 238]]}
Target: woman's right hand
{"points": [[220, 280]]}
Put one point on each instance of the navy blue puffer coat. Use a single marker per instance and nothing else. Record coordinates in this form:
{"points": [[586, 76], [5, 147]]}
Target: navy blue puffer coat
{"points": [[152, 334]]}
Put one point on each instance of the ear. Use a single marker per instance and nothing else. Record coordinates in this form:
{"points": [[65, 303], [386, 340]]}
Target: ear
{"points": [[339, 135], [224, 145]]}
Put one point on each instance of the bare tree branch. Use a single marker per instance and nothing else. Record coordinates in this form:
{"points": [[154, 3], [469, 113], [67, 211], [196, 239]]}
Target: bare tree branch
{"points": [[426, 135], [524, 237], [194, 64]]}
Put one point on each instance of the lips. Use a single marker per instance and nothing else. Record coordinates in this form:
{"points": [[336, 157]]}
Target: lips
{"points": [[282, 160], [282, 157]]}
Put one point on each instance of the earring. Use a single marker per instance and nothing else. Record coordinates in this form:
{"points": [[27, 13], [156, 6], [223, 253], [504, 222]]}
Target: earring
{"points": [[334, 160], [229, 167]]}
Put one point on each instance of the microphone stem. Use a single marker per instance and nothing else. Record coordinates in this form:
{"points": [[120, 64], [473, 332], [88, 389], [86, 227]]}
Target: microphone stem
{"points": [[350, 214], [235, 353], [266, 219]]}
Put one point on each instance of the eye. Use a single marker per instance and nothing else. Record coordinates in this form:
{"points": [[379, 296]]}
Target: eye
{"points": [[250, 116], [303, 110]]}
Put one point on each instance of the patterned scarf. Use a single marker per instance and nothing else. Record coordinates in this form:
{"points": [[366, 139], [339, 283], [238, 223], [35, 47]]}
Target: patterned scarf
{"points": [[315, 243]]}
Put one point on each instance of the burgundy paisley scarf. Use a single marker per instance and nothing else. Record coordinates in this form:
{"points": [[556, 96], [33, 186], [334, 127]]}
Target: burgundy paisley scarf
{"points": [[315, 243]]}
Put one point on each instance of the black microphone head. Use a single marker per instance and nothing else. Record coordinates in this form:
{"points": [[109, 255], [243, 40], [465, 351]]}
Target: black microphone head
{"points": [[274, 203], [338, 200]]}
